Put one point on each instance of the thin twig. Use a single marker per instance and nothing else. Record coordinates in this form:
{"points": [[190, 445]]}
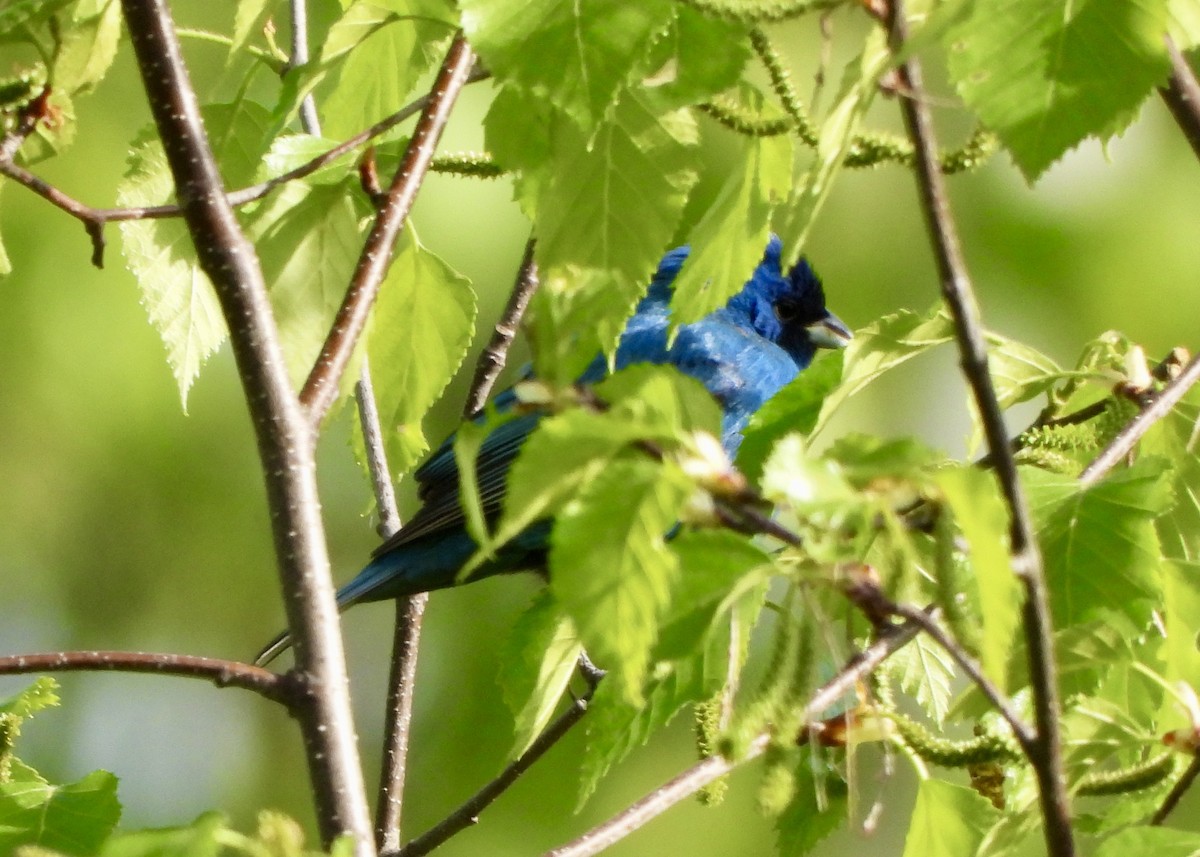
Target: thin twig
{"points": [[286, 442], [220, 672], [1021, 731], [1182, 96], [320, 389], [308, 105], [94, 219], [959, 297], [1177, 791], [1127, 439], [891, 640], [468, 814], [493, 357]]}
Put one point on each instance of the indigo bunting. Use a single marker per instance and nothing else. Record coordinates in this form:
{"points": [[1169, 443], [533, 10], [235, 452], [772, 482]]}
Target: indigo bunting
{"points": [[743, 353]]}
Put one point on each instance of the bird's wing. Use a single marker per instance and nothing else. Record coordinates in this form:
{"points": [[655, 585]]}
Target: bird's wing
{"points": [[438, 479]]}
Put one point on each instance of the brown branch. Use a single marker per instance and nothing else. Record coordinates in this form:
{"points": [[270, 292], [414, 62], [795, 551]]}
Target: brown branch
{"points": [[95, 219], [286, 442], [468, 814], [221, 673], [891, 639], [1177, 792], [959, 296], [1182, 96], [321, 387], [1127, 439], [495, 354]]}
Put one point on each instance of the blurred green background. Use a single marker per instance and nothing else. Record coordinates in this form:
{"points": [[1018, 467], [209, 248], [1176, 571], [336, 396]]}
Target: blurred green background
{"points": [[125, 523]]}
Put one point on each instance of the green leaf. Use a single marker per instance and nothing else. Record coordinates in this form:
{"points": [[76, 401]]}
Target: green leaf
{"points": [[727, 244], [948, 821], [248, 21], [714, 566], [201, 838], [1175, 438], [73, 819], [577, 55], [1144, 841], [308, 241], [88, 46], [604, 207], [175, 292], [1181, 615], [819, 807], [610, 567], [538, 661], [697, 58], [1045, 75], [884, 345], [1020, 372], [859, 85], [40, 695], [616, 726], [421, 329], [405, 37], [794, 409], [924, 669], [974, 499], [1098, 543]]}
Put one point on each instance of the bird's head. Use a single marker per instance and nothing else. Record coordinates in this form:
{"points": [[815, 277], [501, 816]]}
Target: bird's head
{"points": [[789, 309]]}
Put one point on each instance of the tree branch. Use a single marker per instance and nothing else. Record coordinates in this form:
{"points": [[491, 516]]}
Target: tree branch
{"points": [[321, 387], [1182, 96], [221, 673], [468, 814], [94, 219], [1177, 792], [1123, 443], [891, 639], [959, 297], [285, 440], [495, 354]]}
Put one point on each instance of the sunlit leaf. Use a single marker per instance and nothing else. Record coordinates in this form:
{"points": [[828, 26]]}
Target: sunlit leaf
{"points": [[73, 819], [948, 821]]}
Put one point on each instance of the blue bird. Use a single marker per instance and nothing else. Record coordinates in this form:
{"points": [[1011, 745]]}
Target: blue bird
{"points": [[743, 353]]}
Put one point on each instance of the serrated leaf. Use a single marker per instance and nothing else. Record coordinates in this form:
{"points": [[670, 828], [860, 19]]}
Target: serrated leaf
{"points": [[420, 331], [610, 567], [1098, 543], [1020, 372], [248, 20], [577, 55], [175, 292], [88, 46], [72, 819], [604, 208], [308, 241], [1177, 437], [615, 726], [794, 409], [538, 661], [924, 669], [884, 345], [1181, 615], [948, 821], [727, 242], [1046, 75], [697, 58], [405, 37], [40, 695], [818, 809], [974, 499]]}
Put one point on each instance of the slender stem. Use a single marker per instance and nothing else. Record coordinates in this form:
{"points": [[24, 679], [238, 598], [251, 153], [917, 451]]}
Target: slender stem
{"points": [[222, 673], [468, 814], [493, 357], [1182, 96], [891, 640], [1177, 792], [286, 441], [321, 387], [959, 297], [1123, 443], [308, 106]]}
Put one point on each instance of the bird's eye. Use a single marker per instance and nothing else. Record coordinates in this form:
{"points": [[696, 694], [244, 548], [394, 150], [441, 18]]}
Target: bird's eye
{"points": [[787, 311]]}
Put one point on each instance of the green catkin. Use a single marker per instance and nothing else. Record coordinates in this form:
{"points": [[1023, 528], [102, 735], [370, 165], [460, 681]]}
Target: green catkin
{"points": [[983, 748], [760, 12], [708, 731], [778, 785], [468, 165], [951, 586], [1134, 778]]}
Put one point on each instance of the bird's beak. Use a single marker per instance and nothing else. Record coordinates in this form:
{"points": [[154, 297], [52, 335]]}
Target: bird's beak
{"points": [[830, 332]]}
